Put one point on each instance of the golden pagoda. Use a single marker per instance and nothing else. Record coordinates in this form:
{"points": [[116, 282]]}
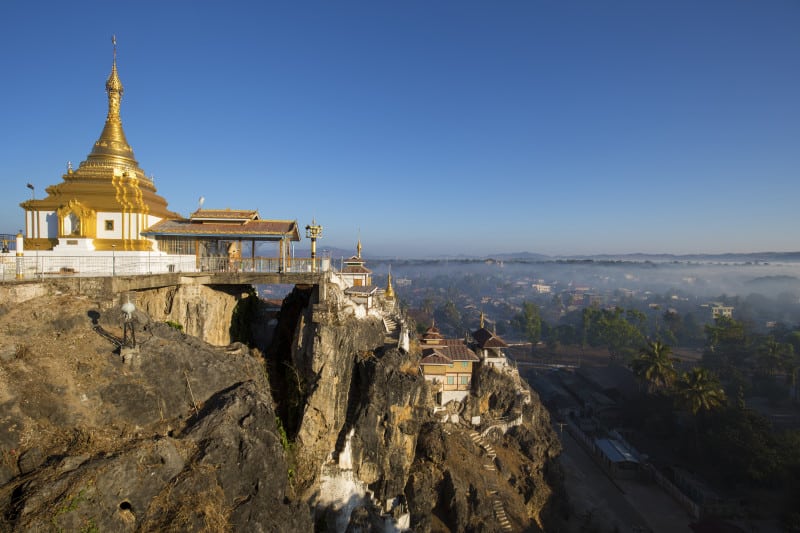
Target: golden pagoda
{"points": [[106, 202], [389, 293]]}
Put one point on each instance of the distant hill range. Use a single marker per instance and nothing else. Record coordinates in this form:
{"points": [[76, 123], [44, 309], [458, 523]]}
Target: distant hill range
{"points": [[529, 257], [336, 253]]}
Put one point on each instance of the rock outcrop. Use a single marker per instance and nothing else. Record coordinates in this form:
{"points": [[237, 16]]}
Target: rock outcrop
{"points": [[202, 311], [368, 448], [333, 430], [183, 437]]}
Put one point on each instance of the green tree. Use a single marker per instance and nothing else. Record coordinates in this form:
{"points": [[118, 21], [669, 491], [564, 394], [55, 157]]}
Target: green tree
{"points": [[727, 348], [529, 322], [655, 367], [773, 356], [699, 390], [742, 445], [691, 332], [620, 331]]}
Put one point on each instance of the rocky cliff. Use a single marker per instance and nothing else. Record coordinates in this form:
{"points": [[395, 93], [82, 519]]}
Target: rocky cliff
{"points": [[207, 312], [339, 433], [371, 451], [181, 437]]}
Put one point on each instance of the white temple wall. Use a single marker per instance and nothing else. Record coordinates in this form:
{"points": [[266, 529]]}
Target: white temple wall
{"points": [[102, 232], [50, 224], [41, 224]]}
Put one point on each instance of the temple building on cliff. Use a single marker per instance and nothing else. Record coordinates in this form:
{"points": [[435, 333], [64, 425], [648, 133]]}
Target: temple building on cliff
{"points": [[489, 347], [109, 207], [354, 272], [447, 365], [103, 204]]}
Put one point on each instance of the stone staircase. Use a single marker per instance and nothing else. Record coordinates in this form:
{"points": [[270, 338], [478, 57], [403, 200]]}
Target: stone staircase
{"points": [[392, 334], [500, 514], [497, 503]]}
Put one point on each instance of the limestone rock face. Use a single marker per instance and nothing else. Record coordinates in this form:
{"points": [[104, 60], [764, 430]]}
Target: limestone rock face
{"points": [[226, 470], [204, 312], [324, 354], [463, 476], [392, 405], [183, 440]]}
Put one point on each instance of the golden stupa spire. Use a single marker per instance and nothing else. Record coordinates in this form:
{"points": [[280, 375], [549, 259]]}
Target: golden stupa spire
{"points": [[358, 248], [112, 146], [114, 86], [482, 317], [389, 294]]}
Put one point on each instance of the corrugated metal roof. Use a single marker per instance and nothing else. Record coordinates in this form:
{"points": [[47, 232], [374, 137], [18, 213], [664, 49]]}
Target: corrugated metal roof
{"points": [[616, 451]]}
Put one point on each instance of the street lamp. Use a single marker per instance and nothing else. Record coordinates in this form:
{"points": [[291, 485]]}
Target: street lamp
{"points": [[33, 191], [20, 252], [113, 260], [128, 336], [313, 232]]}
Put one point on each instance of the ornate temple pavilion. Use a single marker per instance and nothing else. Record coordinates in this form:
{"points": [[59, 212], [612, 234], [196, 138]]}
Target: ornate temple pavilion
{"points": [[105, 203], [223, 233], [109, 207]]}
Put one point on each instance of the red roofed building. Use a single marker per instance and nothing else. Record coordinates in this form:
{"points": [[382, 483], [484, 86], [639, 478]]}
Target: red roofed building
{"points": [[447, 364], [489, 347]]}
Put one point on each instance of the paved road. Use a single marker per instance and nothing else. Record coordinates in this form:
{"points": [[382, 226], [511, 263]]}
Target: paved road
{"points": [[630, 506]]}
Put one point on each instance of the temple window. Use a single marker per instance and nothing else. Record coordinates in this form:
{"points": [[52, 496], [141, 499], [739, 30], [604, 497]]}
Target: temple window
{"points": [[109, 225]]}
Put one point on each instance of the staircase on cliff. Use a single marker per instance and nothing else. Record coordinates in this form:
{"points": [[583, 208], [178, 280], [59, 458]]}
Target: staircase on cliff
{"points": [[392, 331], [497, 503]]}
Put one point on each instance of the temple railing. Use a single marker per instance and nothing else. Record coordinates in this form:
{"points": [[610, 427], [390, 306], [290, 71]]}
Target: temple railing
{"points": [[41, 265]]}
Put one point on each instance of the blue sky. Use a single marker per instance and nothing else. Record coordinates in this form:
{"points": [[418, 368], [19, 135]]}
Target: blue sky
{"points": [[430, 127]]}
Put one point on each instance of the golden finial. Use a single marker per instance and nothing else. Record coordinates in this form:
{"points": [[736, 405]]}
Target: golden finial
{"points": [[482, 316], [114, 85], [358, 248]]}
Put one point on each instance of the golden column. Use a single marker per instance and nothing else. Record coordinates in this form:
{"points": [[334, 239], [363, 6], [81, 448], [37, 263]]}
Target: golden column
{"points": [[313, 232]]}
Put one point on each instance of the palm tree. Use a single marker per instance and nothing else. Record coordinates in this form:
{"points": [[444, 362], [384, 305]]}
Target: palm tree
{"points": [[699, 390], [655, 366], [773, 356]]}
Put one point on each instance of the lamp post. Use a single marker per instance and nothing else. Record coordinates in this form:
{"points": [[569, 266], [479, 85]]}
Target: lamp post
{"points": [[113, 260], [128, 335], [20, 253], [313, 232], [37, 270], [33, 190]]}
